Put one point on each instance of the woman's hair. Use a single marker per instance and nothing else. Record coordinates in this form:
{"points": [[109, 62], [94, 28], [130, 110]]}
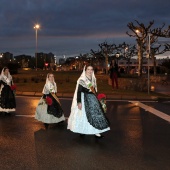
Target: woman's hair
{"points": [[5, 69], [49, 74], [89, 65]]}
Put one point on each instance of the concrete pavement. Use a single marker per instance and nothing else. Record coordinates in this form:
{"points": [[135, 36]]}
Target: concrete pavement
{"points": [[138, 140]]}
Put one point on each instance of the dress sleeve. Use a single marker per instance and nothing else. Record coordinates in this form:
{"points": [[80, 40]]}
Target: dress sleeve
{"points": [[46, 88], [81, 89], [44, 96], [2, 82]]}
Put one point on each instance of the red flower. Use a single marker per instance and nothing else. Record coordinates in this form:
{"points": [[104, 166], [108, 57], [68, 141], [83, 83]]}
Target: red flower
{"points": [[101, 96], [49, 100], [13, 87]]}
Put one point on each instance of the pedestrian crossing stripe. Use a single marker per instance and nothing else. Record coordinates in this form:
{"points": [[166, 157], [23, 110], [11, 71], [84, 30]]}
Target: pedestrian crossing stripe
{"points": [[152, 110]]}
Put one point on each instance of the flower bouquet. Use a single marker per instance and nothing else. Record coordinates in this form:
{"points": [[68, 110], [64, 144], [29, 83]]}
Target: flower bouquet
{"points": [[13, 88], [102, 98], [49, 101], [91, 87]]}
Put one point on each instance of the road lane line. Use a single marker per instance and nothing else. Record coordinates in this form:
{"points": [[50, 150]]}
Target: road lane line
{"points": [[152, 110]]}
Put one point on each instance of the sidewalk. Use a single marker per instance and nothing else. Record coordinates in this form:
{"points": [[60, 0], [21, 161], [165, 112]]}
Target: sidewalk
{"points": [[159, 88], [162, 88]]}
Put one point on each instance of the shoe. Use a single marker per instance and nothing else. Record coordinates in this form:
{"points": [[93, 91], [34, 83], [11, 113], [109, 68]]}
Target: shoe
{"points": [[46, 125], [82, 135], [99, 137], [7, 113], [61, 122]]}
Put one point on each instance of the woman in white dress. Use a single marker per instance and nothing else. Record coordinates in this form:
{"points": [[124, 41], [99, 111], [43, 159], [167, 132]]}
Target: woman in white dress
{"points": [[49, 109], [7, 96], [87, 115]]}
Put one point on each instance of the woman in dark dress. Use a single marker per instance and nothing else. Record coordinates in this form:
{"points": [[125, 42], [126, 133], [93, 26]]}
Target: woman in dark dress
{"points": [[49, 109], [7, 95], [87, 115]]}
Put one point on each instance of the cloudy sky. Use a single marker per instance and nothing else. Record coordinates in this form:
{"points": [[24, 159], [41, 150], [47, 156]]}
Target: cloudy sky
{"points": [[71, 27]]}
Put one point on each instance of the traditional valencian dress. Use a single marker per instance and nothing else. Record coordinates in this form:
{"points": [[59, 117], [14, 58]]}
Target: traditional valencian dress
{"points": [[7, 96], [53, 112], [91, 118]]}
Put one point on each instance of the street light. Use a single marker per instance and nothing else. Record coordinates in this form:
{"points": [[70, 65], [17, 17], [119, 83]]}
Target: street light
{"points": [[36, 27], [148, 56]]}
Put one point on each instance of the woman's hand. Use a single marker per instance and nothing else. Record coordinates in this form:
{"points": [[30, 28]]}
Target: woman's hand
{"points": [[79, 106]]}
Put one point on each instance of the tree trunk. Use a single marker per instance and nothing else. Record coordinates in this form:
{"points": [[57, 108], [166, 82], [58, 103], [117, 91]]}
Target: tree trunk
{"points": [[128, 68], [140, 59], [154, 65], [106, 61]]}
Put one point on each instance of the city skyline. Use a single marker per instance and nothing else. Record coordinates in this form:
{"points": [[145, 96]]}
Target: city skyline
{"points": [[73, 27]]}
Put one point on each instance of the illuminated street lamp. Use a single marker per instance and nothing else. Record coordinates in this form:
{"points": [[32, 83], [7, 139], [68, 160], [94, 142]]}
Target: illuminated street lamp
{"points": [[36, 27], [148, 56], [148, 37]]}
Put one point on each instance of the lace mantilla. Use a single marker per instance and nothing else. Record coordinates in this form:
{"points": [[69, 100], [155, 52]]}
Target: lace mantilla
{"points": [[87, 83]]}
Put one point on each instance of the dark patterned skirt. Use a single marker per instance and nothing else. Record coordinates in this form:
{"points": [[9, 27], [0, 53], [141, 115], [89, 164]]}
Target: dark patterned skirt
{"points": [[7, 98], [94, 112], [55, 108]]}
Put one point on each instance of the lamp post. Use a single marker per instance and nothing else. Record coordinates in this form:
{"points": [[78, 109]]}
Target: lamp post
{"points": [[36, 27], [117, 56], [148, 56]]}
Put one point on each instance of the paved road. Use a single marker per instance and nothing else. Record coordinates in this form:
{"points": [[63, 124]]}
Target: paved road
{"points": [[138, 140]]}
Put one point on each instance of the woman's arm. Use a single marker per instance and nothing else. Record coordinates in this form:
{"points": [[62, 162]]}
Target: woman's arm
{"points": [[80, 89]]}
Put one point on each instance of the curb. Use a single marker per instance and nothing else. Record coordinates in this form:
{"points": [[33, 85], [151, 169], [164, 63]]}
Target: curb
{"points": [[109, 96]]}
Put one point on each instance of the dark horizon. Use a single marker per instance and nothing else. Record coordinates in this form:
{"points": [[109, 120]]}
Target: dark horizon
{"points": [[73, 27]]}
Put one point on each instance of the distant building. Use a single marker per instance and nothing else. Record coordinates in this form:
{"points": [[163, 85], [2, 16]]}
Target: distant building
{"points": [[62, 61], [135, 63], [5, 59], [70, 59], [8, 55], [44, 58], [23, 60]]}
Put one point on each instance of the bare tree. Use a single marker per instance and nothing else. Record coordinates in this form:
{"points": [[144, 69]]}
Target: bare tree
{"points": [[107, 49], [128, 52], [141, 32], [160, 49]]}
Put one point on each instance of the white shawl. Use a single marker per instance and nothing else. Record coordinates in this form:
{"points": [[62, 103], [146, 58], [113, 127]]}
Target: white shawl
{"points": [[84, 81], [7, 79], [49, 87]]}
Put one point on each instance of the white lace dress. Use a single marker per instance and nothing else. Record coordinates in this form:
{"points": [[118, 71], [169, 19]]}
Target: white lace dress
{"points": [[41, 113], [90, 119]]}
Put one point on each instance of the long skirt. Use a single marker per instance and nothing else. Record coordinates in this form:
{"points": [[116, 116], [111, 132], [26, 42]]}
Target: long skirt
{"points": [[90, 119], [49, 114], [7, 99]]}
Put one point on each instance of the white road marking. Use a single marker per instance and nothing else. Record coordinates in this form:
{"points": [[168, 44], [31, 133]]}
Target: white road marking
{"points": [[152, 110], [116, 100]]}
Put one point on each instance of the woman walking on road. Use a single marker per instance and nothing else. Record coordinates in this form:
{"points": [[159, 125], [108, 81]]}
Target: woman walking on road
{"points": [[49, 108], [7, 95], [87, 116]]}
